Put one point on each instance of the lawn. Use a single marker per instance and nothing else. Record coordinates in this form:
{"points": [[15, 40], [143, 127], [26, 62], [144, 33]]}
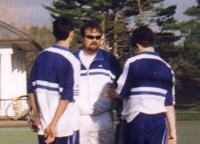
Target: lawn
{"points": [[17, 135], [190, 114], [188, 132]]}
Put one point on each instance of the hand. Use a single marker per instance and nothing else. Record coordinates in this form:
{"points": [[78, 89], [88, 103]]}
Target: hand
{"points": [[49, 134], [33, 124], [112, 93], [172, 139]]}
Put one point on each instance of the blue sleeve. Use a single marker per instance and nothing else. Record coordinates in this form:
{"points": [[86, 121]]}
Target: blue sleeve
{"points": [[125, 81], [65, 77], [170, 97], [32, 78]]}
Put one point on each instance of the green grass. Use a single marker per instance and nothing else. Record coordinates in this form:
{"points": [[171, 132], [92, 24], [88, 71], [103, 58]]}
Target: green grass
{"points": [[187, 131], [17, 135], [191, 114]]}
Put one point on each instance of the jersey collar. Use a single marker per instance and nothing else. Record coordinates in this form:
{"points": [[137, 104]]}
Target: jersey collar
{"points": [[60, 47], [98, 57], [151, 53]]}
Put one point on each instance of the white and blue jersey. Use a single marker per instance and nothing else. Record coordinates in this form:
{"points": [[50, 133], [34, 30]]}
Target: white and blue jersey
{"points": [[147, 85], [104, 69], [55, 76], [96, 125]]}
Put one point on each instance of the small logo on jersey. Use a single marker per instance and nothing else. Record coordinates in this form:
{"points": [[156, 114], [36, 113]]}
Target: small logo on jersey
{"points": [[100, 65]]}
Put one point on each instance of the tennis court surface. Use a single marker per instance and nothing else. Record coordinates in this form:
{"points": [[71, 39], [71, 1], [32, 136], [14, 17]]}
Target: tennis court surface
{"points": [[16, 132], [188, 133]]}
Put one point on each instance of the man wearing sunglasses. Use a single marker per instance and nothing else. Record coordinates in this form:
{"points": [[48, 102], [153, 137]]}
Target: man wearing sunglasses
{"points": [[98, 69]]}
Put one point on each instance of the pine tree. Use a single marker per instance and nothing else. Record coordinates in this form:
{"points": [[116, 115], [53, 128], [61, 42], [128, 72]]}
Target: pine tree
{"points": [[189, 58], [153, 14], [107, 12]]}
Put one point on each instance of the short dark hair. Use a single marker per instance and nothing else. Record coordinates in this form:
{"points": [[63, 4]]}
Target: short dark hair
{"points": [[142, 35], [61, 28], [91, 25]]}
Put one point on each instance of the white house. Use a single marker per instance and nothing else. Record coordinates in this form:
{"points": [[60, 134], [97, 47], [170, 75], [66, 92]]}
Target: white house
{"points": [[13, 48]]}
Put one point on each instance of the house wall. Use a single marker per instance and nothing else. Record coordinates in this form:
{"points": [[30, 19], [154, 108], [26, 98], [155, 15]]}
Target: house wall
{"points": [[5, 74], [12, 76], [18, 73]]}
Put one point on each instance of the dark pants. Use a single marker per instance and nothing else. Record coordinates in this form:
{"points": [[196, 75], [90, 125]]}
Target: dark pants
{"points": [[145, 129], [74, 139]]}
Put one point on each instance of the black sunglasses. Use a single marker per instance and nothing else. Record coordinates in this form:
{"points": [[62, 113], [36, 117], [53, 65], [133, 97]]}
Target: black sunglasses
{"points": [[93, 37]]}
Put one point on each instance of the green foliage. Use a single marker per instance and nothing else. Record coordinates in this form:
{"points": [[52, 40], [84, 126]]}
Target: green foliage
{"points": [[187, 115], [114, 17], [42, 35], [193, 11], [188, 60], [109, 13]]}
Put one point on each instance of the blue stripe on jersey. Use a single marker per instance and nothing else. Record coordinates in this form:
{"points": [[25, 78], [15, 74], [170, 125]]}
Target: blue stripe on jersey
{"points": [[46, 87], [110, 66], [147, 70], [53, 70], [148, 93], [95, 73]]}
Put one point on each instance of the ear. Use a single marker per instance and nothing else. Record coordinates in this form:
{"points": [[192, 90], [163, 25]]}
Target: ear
{"points": [[138, 46], [71, 35], [138, 49]]}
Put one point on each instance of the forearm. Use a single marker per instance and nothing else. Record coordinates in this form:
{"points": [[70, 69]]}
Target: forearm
{"points": [[34, 104], [171, 120], [59, 111]]}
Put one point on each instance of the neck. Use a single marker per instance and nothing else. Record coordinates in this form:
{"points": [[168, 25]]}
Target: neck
{"points": [[63, 43], [88, 53], [148, 49]]}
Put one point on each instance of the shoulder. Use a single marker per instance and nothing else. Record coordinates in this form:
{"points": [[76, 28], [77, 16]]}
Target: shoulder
{"points": [[108, 55], [132, 59]]}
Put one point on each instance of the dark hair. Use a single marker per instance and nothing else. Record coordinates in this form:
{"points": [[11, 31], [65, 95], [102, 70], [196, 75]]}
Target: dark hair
{"points": [[143, 36], [90, 25], [61, 28]]}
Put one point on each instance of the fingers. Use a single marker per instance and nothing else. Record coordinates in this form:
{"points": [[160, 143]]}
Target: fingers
{"points": [[171, 140], [49, 140], [49, 135], [32, 126], [110, 93], [45, 133]]}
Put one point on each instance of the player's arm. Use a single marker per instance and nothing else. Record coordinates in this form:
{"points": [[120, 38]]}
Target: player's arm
{"points": [[112, 93], [124, 84], [172, 137], [171, 116], [35, 108], [50, 131], [32, 98], [66, 77]]}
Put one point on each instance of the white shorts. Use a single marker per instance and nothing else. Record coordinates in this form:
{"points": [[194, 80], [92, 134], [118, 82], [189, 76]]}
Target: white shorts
{"points": [[97, 129]]}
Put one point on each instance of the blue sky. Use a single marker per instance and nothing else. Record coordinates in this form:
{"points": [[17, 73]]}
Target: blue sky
{"points": [[37, 15]]}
